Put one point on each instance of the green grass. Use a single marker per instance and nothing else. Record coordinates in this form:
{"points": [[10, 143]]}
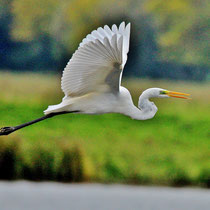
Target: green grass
{"points": [[173, 148]]}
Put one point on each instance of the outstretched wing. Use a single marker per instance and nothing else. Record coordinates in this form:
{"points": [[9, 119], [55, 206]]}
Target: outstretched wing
{"points": [[98, 62]]}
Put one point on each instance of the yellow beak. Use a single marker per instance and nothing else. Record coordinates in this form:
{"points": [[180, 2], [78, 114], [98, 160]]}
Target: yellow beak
{"points": [[178, 94]]}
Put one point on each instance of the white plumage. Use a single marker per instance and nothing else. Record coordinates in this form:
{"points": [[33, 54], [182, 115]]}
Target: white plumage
{"points": [[101, 53], [91, 80]]}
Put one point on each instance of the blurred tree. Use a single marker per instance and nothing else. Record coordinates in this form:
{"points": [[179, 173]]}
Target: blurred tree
{"points": [[167, 37], [67, 21], [5, 43], [183, 28]]}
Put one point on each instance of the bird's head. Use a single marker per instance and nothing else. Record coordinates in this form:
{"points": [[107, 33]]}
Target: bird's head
{"points": [[148, 107], [162, 93]]}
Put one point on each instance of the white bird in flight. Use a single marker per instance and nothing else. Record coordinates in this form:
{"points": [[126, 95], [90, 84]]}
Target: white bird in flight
{"points": [[91, 80]]}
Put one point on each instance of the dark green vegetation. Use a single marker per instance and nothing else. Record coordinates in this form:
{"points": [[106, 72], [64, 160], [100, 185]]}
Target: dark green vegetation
{"points": [[168, 39], [171, 149]]}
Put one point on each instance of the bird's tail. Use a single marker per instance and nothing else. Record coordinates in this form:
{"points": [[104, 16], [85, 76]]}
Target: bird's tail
{"points": [[55, 109], [51, 109], [65, 105]]}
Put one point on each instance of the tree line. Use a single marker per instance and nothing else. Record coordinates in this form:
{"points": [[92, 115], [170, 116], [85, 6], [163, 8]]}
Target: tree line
{"points": [[168, 39]]}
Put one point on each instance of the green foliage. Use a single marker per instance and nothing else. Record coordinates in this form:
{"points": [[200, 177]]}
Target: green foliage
{"points": [[183, 28], [40, 162], [8, 159], [66, 21], [204, 178], [178, 177], [168, 39], [71, 165], [171, 149]]}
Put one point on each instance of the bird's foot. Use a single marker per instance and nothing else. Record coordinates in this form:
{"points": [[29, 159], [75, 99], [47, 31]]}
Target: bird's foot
{"points": [[6, 130]]}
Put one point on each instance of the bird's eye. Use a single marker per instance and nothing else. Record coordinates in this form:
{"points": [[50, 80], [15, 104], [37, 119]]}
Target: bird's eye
{"points": [[162, 92]]}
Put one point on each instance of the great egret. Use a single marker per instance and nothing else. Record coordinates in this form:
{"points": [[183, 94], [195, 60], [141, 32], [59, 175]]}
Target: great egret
{"points": [[91, 80]]}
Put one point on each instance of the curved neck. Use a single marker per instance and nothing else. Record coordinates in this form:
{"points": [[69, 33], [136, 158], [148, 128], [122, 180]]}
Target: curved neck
{"points": [[146, 109]]}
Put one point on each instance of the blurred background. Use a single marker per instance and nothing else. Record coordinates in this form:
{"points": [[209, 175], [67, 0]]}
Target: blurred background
{"points": [[168, 49]]}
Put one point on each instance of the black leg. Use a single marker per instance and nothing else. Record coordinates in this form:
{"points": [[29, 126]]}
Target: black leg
{"points": [[8, 130]]}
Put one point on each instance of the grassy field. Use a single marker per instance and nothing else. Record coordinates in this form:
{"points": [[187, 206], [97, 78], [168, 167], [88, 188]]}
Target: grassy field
{"points": [[171, 149]]}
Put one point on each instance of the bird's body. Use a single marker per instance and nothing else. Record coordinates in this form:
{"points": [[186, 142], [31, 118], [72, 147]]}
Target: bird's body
{"points": [[92, 103], [91, 80], [101, 103]]}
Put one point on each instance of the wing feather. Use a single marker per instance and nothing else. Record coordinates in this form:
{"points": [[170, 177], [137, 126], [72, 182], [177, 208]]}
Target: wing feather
{"points": [[98, 62]]}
